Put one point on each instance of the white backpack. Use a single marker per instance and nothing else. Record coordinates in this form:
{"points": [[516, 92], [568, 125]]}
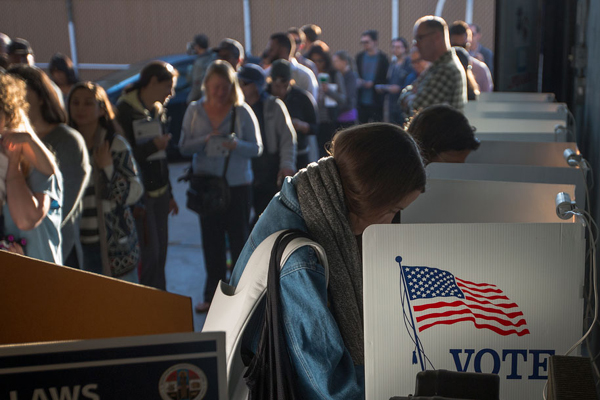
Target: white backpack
{"points": [[232, 307]]}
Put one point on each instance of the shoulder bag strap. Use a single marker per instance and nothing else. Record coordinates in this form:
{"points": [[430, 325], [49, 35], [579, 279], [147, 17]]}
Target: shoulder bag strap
{"points": [[231, 130]]}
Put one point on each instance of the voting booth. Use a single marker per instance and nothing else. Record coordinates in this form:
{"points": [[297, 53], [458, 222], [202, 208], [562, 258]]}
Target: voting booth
{"points": [[543, 154], [514, 97], [517, 107], [167, 367], [513, 173], [461, 201], [543, 111], [493, 298], [520, 130]]}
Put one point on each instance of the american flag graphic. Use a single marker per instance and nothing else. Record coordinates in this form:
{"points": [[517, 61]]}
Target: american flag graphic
{"points": [[438, 297]]}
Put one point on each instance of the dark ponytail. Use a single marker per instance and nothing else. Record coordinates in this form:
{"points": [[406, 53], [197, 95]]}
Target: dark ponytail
{"points": [[161, 70]]}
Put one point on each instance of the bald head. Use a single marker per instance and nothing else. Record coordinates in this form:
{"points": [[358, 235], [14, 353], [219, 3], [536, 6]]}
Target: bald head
{"points": [[431, 37], [4, 42]]}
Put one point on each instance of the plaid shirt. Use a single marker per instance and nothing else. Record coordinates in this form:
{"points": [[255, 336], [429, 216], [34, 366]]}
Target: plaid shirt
{"points": [[442, 83]]}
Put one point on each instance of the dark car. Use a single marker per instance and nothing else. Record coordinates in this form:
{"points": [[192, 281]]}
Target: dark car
{"points": [[115, 82]]}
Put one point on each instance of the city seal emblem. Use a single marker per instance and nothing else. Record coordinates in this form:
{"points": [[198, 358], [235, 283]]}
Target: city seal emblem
{"points": [[183, 382]]}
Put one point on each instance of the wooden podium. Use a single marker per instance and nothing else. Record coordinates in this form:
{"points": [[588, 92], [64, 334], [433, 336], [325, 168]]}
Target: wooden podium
{"points": [[41, 302]]}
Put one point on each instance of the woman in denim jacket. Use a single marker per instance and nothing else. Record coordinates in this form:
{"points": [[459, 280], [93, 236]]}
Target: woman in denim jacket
{"points": [[375, 171]]}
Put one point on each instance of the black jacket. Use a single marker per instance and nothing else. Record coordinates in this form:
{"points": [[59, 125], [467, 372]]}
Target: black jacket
{"points": [[155, 173], [380, 75]]}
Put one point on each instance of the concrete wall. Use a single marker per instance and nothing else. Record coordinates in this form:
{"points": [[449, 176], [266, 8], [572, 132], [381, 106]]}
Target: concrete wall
{"points": [[126, 31]]}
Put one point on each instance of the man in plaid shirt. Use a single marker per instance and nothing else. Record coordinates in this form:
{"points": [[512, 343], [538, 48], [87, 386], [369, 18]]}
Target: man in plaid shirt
{"points": [[445, 81]]}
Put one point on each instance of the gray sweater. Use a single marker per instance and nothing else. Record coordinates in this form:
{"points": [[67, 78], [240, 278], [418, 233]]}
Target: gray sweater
{"points": [[73, 161]]}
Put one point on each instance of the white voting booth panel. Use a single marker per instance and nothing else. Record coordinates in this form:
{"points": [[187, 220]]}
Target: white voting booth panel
{"points": [[521, 130], [511, 97], [455, 201], [492, 298], [517, 107], [513, 115], [512, 173], [543, 154]]}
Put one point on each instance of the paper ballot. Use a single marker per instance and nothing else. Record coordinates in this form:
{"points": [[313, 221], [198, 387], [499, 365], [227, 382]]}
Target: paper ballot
{"points": [[146, 130], [329, 101]]}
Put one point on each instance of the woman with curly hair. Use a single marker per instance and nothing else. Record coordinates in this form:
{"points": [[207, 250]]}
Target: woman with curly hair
{"points": [[49, 118], [33, 184]]}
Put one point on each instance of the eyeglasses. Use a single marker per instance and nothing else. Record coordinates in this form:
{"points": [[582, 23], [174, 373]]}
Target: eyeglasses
{"points": [[363, 42], [419, 38]]}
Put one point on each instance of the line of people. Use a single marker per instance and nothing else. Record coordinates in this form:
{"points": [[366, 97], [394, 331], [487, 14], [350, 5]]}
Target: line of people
{"points": [[107, 196]]}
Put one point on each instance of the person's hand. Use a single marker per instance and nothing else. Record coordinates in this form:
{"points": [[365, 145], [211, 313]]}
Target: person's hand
{"points": [[13, 137], [12, 150], [162, 141], [16, 248], [139, 212], [282, 174], [325, 87], [173, 207], [299, 126], [380, 88], [230, 144], [102, 156], [368, 84]]}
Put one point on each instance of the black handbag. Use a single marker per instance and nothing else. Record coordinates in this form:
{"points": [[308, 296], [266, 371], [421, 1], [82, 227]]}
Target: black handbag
{"points": [[209, 194], [271, 375]]}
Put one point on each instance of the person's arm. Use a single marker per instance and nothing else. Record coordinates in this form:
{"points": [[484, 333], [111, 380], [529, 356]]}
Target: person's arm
{"points": [[192, 139], [324, 367], [75, 168], [311, 113], [120, 174], [339, 95], [287, 142], [383, 65], [33, 150], [26, 208], [248, 142]]}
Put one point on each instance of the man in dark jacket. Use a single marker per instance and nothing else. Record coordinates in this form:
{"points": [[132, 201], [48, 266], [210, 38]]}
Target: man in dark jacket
{"points": [[372, 66]]}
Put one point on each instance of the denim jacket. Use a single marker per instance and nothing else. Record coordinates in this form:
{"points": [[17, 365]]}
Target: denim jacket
{"points": [[323, 365]]}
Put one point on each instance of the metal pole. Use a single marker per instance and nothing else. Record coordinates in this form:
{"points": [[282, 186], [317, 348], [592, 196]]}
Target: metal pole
{"points": [[72, 40], [469, 12], [439, 8], [395, 22], [412, 320], [247, 27]]}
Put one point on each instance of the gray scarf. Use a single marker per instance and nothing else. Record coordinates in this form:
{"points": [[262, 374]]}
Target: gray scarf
{"points": [[323, 206]]}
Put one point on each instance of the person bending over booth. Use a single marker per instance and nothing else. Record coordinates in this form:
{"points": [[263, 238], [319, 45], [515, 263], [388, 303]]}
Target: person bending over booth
{"points": [[444, 134], [374, 171]]}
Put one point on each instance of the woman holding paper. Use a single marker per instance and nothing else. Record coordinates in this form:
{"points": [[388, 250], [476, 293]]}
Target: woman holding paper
{"points": [[221, 131], [375, 170], [332, 94], [141, 114]]}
